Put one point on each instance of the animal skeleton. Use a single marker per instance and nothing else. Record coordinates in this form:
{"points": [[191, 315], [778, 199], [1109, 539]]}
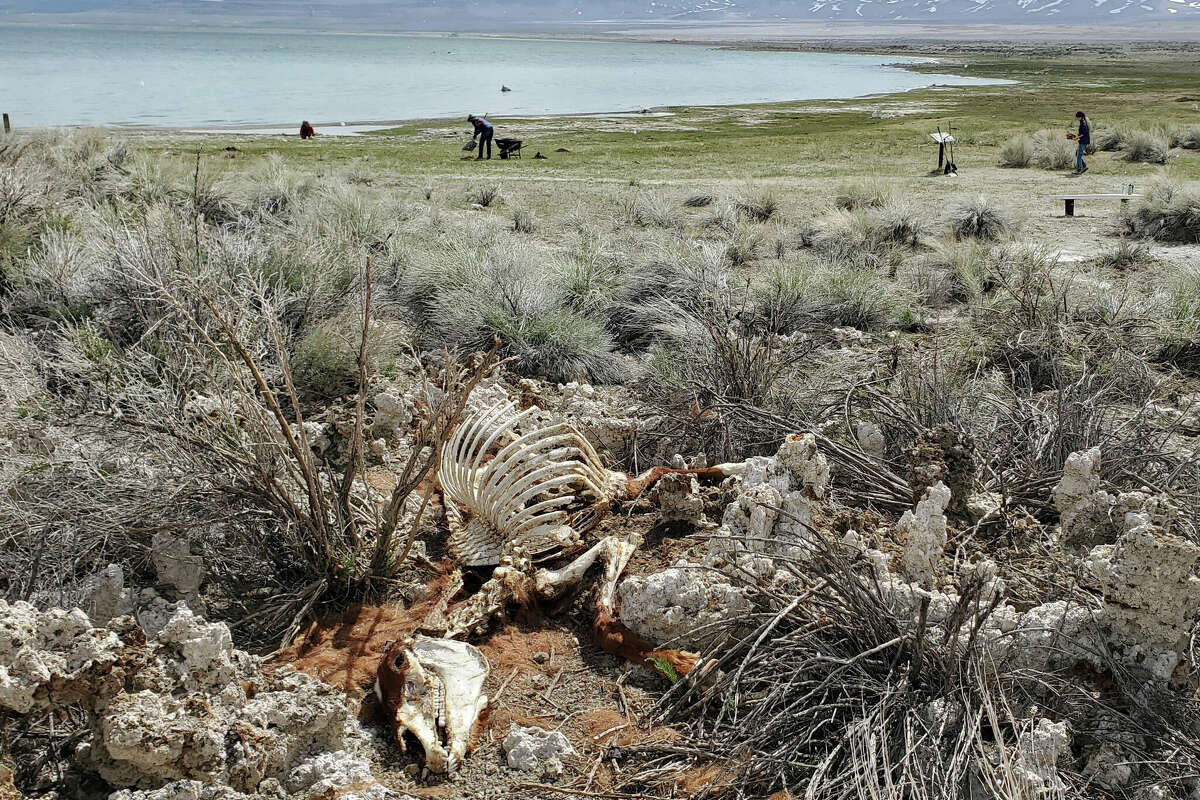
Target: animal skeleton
{"points": [[513, 498], [520, 500]]}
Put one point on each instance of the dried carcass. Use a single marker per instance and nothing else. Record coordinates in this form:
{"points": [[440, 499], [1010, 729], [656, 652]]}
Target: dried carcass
{"points": [[433, 688], [514, 498], [526, 495]]}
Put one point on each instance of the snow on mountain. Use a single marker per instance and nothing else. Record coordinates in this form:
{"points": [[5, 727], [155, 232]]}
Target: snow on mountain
{"points": [[393, 13]]}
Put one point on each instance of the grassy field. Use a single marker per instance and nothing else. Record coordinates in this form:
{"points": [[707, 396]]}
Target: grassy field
{"points": [[785, 140]]}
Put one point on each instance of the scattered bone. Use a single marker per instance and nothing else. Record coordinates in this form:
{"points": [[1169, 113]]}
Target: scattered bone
{"points": [[433, 688]]}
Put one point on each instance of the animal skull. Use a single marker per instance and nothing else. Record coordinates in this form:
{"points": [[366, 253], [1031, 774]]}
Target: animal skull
{"points": [[433, 688]]}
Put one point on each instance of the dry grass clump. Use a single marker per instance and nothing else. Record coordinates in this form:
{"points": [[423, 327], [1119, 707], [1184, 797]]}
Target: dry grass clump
{"points": [[850, 690], [465, 298], [1169, 213], [1017, 152], [861, 194], [325, 359], [723, 218], [647, 210], [524, 221], [1146, 147], [744, 246], [758, 206], [1109, 139], [1128, 254], [1186, 137], [878, 233], [486, 195], [791, 297], [955, 272], [662, 283], [898, 223], [979, 219], [1181, 325], [1052, 150]]}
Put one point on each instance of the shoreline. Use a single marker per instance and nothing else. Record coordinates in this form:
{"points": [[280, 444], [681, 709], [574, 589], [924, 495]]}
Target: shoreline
{"points": [[912, 63]]}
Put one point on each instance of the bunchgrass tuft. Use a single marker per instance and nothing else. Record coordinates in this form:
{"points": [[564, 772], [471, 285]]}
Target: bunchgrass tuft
{"points": [[1169, 213], [1146, 147], [863, 193], [1017, 152], [524, 221], [1053, 151], [1128, 254], [757, 206], [486, 195], [979, 219]]}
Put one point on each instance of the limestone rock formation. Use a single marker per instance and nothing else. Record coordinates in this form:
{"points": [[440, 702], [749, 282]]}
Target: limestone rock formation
{"points": [[536, 750], [675, 605], [925, 534], [50, 658], [1148, 578], [773, 509], [678, 499], [178, 567], [1038, 750], [181, 708]]}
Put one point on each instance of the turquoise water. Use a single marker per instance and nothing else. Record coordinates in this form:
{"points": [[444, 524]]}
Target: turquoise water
{"points": [[69, 76]]}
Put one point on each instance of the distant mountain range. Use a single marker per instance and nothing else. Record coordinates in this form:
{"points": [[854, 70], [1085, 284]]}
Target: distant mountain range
{"points": [[471, 14]]}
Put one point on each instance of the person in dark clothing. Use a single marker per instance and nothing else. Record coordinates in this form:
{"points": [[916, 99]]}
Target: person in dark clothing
{"points": [[1083, 140], [306, 130], [484, 131]]}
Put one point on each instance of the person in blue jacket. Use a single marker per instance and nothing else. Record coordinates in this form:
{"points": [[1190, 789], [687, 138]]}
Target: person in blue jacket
{"points": [[484, 131], [1083, 141]]}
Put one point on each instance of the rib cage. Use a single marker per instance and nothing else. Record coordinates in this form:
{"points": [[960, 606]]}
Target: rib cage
{"points": [[521, 495]]}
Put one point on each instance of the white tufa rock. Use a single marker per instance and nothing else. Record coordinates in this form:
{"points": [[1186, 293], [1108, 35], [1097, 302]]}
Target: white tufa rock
{"points": [[331, 775], [809, 468], [870, 439], [54, 650], [184, 707], [1080, 480], [1035, 767], [670, 606], [678, 498], [202, 408], [1085, 510], [536, 750], [107, 596], [925, 534], [984, 506], [1151, 592], [178, 567], [753, 531], [393, 415]]}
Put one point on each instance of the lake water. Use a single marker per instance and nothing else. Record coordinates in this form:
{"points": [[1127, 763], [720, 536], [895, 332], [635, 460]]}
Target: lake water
{"points": [[74, 76]]}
